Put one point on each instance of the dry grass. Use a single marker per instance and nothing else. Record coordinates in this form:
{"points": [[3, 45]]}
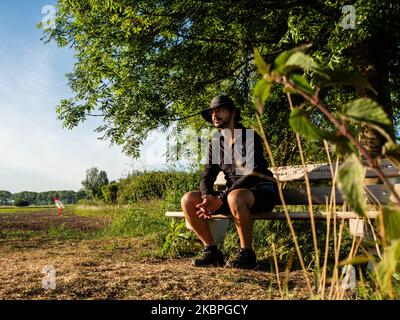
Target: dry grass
{"points": [[118, 269]]}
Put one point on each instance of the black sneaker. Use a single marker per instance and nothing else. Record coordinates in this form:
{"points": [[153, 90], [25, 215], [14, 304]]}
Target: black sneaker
{"points": [[211, 256], [245, 259]]}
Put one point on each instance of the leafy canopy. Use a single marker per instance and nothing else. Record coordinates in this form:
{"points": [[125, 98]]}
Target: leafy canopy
{"points": [[141, 64]]}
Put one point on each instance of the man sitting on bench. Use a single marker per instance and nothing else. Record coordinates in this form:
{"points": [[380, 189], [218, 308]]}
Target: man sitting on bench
{"points": [[246, 192]]}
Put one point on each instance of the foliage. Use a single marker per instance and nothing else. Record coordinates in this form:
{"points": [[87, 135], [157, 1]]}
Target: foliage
{"points": [[140, 64], [21, 203], [179, 241], [93, 182], [110, 192], [27, 196], [142, 187], [168, 185], [351, 173], [388, 266], [38, 198], [144, 219], [6, 198], [81, 195]]}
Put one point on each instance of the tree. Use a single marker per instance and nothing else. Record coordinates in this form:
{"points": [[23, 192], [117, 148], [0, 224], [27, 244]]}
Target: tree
{"points": [[46, 197], [26, 196], [93, 182], [5, 198], [68, 196], [141, 64], [81, 194]]}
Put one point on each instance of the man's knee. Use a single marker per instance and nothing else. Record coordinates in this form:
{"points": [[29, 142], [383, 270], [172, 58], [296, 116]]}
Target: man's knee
{"points": [[190, 197], [240, 197]]}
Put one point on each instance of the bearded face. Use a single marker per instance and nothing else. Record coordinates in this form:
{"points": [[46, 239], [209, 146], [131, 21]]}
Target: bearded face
{"points": [[221, 116]]}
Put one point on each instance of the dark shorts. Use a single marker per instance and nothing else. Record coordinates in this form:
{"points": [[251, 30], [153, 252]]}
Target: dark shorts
{"points": [[265, 194]]}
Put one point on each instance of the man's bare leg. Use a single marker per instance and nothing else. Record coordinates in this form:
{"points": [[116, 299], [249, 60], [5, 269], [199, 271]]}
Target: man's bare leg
{"points": [[199, 225], [240, 201]]}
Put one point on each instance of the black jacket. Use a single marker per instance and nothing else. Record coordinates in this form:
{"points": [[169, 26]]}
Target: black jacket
{"points": [[233, 179]]}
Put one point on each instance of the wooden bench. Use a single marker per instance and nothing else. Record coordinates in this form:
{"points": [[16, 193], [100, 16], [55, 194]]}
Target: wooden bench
{"points": [[294, 191], [297, 195]]}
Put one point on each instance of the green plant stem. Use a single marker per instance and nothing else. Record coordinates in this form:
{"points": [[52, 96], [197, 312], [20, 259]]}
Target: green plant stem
{"points": [[282, 198], [277, 271], [310, 203]]}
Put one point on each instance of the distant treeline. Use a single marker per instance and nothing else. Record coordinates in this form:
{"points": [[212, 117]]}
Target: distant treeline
{"points": [[41, 198], [139, 186]]}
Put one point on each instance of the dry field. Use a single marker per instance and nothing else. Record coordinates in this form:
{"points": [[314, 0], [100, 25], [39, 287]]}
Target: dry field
{"points": [[124, 268]]}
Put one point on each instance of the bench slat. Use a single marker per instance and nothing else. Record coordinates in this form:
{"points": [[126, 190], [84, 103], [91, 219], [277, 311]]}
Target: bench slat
{"points": [[320, 194], [298, 196], [281, 215], [319, 171]]}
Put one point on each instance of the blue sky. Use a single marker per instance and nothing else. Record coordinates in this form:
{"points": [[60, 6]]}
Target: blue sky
{"points": [[36, 153]]}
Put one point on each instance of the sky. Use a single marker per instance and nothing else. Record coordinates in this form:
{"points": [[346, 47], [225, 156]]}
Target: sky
{"points": [[36, 152]]}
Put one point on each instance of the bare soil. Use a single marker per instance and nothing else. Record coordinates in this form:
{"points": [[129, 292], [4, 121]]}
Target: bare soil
{"points": [[116, 268], [42, 221]]}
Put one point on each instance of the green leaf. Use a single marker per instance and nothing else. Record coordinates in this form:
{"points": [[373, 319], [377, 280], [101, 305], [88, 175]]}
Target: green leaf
{"points": [[302, 125], [329, 77], [367, 110], [391, 221], [386, 268], [342, 146], [392, 151], [263, 68], [281, 59], [291, 59], [350, 178], [300, 60], [302, 83], [261, 93]]}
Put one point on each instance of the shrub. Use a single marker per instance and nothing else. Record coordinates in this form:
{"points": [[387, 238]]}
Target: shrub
{"points": [[110, 192], [145, 186], [21, 203], [168, 185], [178, 184]]}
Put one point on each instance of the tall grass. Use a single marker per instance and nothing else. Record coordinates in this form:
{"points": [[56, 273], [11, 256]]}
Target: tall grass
{"points": [[140, 220]]}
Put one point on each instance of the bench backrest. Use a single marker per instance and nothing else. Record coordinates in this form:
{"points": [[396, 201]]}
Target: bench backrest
{"points": [[322, 171]]}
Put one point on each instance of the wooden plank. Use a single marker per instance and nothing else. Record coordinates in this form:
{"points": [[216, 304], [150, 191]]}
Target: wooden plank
{"points": [[298, 196], [322, 171], [318, 171], [281, 215]]}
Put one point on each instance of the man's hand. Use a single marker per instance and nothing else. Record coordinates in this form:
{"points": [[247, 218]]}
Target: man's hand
{"points": [[209, 205]]}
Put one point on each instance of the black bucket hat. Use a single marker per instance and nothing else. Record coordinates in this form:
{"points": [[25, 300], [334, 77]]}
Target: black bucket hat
{"points": [[218, 101]]}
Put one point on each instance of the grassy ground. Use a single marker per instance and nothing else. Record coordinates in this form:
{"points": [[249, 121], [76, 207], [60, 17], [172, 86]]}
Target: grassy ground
{"points": [[110, 252], [127, 268], [24, 209]]}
